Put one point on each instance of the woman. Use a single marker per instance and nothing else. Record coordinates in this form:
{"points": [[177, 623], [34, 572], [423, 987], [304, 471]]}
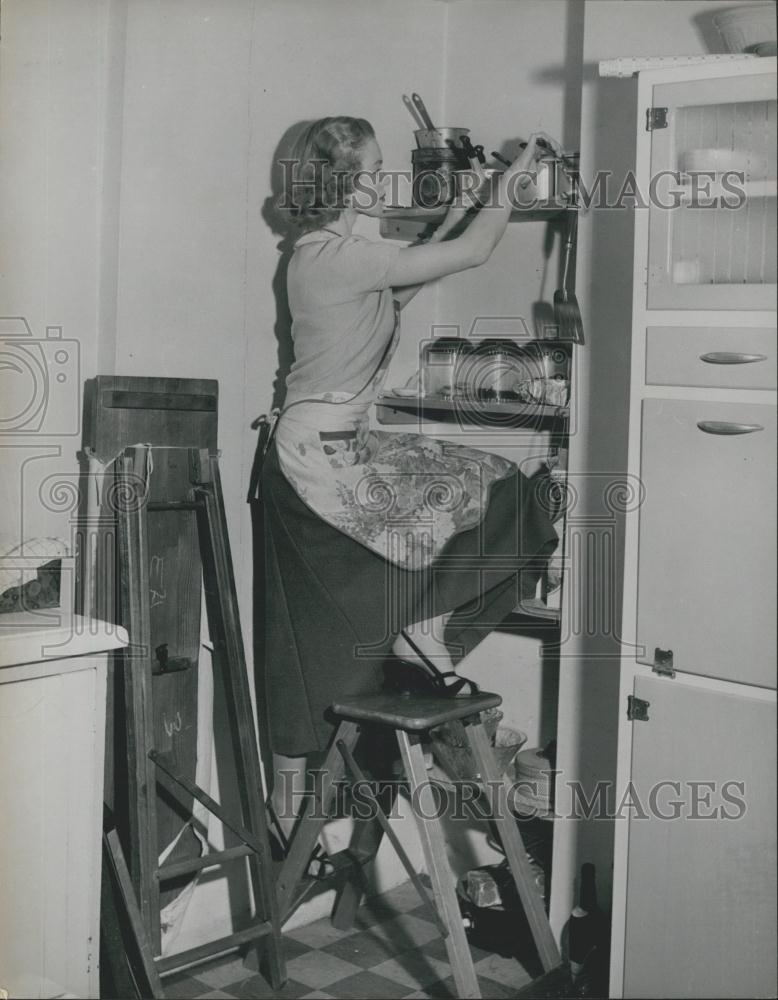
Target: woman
{"points": [[375, 541]]}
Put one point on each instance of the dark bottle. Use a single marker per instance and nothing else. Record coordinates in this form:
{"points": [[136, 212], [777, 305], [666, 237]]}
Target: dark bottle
{"points": [[587, 937]]}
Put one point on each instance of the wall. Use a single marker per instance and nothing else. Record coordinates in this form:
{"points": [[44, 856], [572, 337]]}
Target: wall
{"points": [[52, 73], [589, 679]]}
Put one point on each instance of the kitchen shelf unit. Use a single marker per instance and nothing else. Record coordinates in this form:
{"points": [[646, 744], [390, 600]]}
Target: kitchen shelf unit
{"points": [[537, 618]]}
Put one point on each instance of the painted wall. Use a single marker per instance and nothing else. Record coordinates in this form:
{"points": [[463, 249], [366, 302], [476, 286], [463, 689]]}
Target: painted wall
{"points": [[53, 70]]}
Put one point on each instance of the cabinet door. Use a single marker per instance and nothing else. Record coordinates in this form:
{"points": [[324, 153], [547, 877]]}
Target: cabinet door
{"points": [[701, 910], [706, 579], [712, 211], [51, 739]]}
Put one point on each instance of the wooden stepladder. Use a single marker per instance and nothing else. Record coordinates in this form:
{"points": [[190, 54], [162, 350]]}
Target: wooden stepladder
{"points": [[159, 436]]}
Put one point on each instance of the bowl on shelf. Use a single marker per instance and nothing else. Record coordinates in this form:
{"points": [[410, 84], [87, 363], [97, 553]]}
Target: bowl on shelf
{"points": [[453, 753], [746, 26]]}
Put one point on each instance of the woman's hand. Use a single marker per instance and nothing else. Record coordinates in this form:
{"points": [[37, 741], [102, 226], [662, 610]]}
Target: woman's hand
{"points": [[538, 145]]}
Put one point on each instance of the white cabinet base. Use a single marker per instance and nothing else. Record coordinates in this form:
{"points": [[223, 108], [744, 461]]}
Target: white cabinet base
{"points": [[52, 735]]}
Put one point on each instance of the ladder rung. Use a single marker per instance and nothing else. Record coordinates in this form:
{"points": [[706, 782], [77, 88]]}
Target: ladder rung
{"points": [[177, 868], [199, 954]]}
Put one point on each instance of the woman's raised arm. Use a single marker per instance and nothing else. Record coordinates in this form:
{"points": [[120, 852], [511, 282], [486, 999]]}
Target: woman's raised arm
{"points": [[416, 265]]}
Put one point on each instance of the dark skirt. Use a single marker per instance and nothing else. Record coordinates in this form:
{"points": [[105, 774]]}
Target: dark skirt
{"points": [[333, 608]]}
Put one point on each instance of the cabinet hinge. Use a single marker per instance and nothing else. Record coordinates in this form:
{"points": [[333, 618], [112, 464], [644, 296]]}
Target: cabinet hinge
{"points": [[663, 662], [637, 709], [656, 118]]}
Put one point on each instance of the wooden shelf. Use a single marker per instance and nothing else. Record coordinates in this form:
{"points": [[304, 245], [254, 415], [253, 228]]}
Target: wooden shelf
{"points": [[391, 409], [533, 618], [407, 222]]}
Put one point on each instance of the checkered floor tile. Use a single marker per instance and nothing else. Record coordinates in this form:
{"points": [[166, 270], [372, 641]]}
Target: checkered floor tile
{"points": [[393, 950]]}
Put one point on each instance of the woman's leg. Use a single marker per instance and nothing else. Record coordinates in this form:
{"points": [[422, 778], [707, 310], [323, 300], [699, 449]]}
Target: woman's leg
{"points": [[428, 637]]}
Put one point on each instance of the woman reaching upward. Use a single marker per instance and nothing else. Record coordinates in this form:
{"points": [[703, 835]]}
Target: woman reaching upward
{"points": [[377, 542]]}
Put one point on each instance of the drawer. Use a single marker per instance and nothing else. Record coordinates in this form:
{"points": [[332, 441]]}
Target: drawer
{"points": [[715, 357]]}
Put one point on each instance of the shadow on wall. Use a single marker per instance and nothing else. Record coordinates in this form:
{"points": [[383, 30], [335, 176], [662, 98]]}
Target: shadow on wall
{"points": [[279, 223]]}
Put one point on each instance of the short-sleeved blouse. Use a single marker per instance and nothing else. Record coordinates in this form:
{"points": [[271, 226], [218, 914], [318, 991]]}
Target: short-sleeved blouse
{"points": [[342, 312]]}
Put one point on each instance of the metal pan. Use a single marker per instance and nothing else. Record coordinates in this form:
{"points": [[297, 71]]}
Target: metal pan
{"points": [[439, 138]]}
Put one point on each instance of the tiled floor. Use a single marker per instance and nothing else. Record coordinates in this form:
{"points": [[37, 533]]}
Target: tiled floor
{"points": [[393, 950]]}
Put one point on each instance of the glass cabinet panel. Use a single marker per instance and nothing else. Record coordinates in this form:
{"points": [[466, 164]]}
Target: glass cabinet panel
{"points": [[713, 195]]}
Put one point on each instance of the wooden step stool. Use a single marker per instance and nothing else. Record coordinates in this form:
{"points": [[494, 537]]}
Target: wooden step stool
{"points": [[410, 717]]}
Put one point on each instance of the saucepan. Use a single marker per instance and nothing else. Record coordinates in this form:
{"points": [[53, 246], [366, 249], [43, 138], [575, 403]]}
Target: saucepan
{"points": [[428, 136]]}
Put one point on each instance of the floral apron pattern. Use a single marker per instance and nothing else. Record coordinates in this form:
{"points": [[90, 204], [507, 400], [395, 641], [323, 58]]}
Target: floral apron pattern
{"points": [[404, 496]]}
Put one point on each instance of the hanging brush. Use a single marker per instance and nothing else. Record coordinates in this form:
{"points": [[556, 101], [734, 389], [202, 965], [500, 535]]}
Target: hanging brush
{"points": [[566, 311]]}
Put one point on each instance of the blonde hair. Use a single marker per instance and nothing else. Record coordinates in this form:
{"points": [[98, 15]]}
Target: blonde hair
{"points": [[320, 172]]}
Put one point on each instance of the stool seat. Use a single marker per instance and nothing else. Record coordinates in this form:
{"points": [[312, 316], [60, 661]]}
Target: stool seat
{"points": [[414, 712]]}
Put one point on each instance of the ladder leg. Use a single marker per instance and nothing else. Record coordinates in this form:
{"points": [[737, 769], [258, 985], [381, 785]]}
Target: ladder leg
{"points": [[120, 876], [134, 589], [514, 849], [434, 845], [224, 625]]}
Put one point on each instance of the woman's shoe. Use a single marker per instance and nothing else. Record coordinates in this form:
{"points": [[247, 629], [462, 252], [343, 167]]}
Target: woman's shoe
{"points": [[320, 866], [423, 678], [456, 687]]}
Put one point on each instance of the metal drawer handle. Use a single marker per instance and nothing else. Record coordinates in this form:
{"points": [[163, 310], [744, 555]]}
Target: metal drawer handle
{"points": [[731, 358], [727, 427]]}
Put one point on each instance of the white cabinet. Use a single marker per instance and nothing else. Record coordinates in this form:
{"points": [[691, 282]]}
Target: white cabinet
{"points": [[694, 910], [52, 733]]}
